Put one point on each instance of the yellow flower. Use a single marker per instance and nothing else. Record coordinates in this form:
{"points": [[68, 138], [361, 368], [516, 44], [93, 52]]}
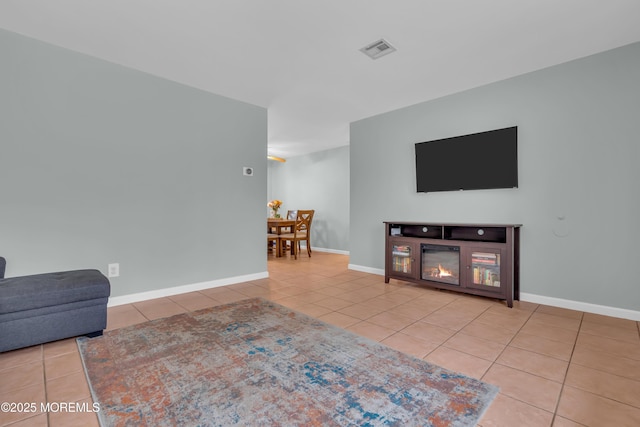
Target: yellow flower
{"points": [[275, 204]]}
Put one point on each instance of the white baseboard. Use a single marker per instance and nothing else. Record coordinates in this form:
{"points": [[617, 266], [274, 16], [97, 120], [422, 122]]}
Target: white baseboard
{"points": [[581, 306], [159, 293], [364, 269], [331, 251]]}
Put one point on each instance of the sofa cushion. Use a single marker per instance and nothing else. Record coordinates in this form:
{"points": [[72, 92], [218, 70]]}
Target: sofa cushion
{"points": [[51, 289]]}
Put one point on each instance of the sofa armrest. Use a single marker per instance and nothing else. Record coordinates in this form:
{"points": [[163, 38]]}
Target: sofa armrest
{"points": [[3, 263]]}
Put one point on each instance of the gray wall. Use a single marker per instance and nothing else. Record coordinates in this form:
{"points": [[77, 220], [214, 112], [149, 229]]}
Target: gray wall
{"points": [[103, 164], [579, 127], [318, 181]]}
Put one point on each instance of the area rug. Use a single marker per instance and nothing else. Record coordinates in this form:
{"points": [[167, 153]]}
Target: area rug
{"points": [[256, 363]]}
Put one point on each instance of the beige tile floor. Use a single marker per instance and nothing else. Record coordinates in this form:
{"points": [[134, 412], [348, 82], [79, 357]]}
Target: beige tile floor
{"points": [[554, 367]]}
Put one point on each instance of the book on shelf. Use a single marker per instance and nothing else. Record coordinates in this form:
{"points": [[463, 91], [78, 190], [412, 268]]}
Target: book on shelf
{"points": [[486, 276], [485, 258], [402, 264], [403, 251]]}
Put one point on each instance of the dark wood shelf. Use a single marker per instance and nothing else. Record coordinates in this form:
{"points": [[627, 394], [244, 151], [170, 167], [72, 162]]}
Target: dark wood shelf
{"points": [[484, 257]]}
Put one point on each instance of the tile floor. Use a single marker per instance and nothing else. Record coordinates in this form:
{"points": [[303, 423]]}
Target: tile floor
{"points": [[555, 367]]}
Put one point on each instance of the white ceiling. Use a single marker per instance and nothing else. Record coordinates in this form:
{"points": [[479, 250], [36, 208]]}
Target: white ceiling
{"points": [[301, 59]]}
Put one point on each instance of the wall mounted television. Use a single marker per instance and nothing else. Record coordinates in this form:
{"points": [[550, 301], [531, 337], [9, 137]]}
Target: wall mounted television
{"points": [[478, 161]]}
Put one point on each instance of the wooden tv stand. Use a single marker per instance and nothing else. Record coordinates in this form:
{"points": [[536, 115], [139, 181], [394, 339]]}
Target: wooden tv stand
{"points": [[478, 259]]}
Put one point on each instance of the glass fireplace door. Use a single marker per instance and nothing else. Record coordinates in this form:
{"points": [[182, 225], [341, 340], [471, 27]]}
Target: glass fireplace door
{"points": [[441, 263]]}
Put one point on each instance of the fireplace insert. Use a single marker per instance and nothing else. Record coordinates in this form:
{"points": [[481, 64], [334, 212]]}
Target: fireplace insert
{"points": [[441, 263]]}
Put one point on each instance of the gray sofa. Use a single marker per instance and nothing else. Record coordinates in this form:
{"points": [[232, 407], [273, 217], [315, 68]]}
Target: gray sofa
{"points": [[47, 307]]}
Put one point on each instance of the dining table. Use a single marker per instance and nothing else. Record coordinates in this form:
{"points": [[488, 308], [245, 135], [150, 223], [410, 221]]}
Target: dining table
{"points": [[280, 226]]}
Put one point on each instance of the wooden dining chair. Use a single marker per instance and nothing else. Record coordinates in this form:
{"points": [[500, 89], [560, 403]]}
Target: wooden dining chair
{"points": [[301, 231], [273, 241], [292, 214]]}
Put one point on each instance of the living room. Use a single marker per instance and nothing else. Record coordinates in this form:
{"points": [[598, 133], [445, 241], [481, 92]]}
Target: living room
{"points": [[576, 152], [106, 164], [160, 209]]}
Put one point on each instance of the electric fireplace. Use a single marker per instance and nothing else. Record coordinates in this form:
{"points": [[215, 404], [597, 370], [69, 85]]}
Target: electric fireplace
{"points": [[441, 263]]}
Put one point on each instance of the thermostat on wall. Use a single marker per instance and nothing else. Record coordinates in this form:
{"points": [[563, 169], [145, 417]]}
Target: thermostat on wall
{"points": [[247, 171]]}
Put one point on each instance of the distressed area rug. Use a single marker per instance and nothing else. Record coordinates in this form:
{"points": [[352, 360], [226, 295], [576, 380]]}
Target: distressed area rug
{"points": [[256, 363]]}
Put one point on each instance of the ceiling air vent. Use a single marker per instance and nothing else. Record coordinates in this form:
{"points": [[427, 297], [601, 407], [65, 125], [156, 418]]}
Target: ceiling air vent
{"points": [[377, 49]]}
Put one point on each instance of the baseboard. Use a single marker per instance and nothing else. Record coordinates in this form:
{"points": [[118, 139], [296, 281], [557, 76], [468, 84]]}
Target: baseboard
{"points": [[364, 269], [331, 251], [166, 292], [581, 306]]}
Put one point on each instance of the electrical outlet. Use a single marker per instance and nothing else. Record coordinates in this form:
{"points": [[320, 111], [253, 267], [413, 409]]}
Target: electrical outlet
{"points": [[114, 270]]}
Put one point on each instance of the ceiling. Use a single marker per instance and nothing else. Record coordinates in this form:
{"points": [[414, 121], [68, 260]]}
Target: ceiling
{"points": [[301, 59]]}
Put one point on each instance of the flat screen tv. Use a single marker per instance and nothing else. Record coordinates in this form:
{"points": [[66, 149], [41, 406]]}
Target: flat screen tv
{"points": [[479, 161]]}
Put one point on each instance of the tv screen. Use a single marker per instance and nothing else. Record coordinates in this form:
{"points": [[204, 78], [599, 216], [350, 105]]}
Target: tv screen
{"points": [[478, 161]]}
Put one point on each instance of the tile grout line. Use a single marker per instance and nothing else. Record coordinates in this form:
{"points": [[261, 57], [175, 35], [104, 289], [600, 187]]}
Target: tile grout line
{"points": [[566, 373], [46, 388], [457, 331], [495, 362], [507, 344]]}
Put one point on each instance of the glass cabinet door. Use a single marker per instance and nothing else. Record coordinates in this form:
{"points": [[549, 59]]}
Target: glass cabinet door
{"points": [[485, 268], [402, 258]]}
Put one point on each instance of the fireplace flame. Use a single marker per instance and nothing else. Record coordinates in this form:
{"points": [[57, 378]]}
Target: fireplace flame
{"points": [[443, 272]]}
